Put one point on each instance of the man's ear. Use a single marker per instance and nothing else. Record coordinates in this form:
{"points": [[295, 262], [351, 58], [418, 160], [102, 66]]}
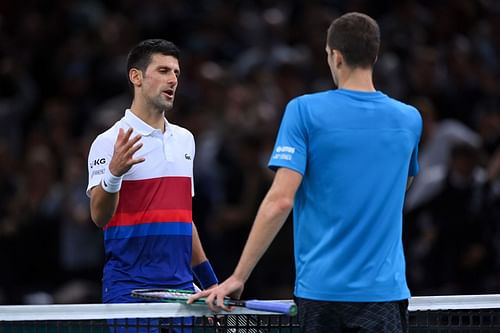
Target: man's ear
{"points": [[135, 76], [338, 58]]}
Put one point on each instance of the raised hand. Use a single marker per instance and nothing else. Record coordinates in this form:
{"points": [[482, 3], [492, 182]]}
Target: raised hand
{"points": [[123, 153]]}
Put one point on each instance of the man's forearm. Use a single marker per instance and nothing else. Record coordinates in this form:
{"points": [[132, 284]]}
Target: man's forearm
{"points": [[198, 255], [102, 205], [270, 218], [202, 269]]}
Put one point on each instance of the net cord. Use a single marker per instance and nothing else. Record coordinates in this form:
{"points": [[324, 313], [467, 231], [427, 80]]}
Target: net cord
{"points": [[109, 311], [171, 310], [454, 302]]}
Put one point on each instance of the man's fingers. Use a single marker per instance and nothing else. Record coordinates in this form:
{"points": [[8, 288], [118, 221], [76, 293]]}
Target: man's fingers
{"points": [[214, 301], [120, 135], [126, 145], [197, 296], [135, 139], [127, 135], [123, 141], [220, 303], [123, 136], [137, 161], [132, 150], [211, 303]]}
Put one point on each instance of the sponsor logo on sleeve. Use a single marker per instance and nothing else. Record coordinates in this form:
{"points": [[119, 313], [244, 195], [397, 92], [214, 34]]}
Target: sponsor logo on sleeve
{"points": [[97, 162], [284, 153], [97, 172]]}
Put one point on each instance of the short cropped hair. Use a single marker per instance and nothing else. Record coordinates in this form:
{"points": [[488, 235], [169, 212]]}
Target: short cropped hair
{"points": [[140, 56], [357, 37]]}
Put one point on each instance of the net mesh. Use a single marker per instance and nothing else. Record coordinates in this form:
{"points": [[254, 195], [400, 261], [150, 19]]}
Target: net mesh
{"points": [[225, 323], [438, 314]]}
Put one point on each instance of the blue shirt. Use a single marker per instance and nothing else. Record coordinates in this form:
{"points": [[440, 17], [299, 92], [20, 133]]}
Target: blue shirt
{"points": [[355, 151]]}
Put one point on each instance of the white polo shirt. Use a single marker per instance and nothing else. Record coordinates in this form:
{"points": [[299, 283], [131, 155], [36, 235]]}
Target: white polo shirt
{"points": [[176, 145], [148, 241]]}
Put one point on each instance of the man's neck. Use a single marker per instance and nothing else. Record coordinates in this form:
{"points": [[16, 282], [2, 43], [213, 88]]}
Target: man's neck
{"points": [[150, 116], [358, 79]]}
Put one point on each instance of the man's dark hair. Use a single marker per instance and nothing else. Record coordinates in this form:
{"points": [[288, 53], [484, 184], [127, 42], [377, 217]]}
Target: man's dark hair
{"points": [[357, 37], [140, 56]]}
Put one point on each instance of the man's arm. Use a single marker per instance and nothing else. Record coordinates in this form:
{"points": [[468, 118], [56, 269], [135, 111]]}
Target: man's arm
{"points": [[271, 216], [102, 205], [200, 264], [409, 182], [198, 254], [104, 198]]}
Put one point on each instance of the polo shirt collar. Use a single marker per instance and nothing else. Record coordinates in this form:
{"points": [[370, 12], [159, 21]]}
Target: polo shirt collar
{"points": [[140, 126]]}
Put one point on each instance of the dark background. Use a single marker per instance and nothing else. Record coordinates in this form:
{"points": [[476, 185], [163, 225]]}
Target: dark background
{"points": [[63, 80]]}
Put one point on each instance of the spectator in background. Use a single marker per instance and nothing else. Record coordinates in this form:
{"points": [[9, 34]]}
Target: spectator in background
{"points": [[456, 249], [17, 96], [78, 267], [9, 188], [34, 218], [438, 137]]}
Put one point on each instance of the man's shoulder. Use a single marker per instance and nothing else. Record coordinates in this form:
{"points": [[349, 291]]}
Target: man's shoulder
{"points": [[181, 131], [316, 96], [407, 112], [308, 101], [402, 105], [108, 135]]}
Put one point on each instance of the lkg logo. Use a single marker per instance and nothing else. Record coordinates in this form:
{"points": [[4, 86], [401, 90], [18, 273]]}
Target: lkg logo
{"points": [[97, 162]]}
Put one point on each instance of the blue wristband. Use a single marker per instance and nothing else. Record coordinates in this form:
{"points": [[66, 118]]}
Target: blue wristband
{"points": [[205, 274]]}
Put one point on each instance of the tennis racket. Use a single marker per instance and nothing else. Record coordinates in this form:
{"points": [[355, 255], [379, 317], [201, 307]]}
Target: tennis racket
{"points": [[181, 296]]}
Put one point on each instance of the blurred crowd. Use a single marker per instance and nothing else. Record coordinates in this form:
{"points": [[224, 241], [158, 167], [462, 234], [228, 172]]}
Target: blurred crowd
{"points": [[63, 80]]}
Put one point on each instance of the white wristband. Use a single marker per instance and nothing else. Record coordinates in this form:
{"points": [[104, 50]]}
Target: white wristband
{"points": [[111, 183]]}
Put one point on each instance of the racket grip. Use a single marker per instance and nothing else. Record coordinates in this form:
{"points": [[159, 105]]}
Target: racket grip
{"points": [[288, 308]]}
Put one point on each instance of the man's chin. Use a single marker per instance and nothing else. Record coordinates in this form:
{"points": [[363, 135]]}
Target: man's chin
{"points": [[165, 106], [168, 106]]}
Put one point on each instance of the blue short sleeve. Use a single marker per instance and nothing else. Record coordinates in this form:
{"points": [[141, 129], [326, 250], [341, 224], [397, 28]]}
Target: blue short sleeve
{"points": [[290, 149]]}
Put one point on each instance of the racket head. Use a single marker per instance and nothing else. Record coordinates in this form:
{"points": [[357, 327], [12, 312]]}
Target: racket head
{"points": [[181, 296], [165, 295]]}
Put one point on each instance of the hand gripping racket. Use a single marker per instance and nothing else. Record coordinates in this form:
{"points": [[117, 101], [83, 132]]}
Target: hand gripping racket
{"points": [[181, 296]]}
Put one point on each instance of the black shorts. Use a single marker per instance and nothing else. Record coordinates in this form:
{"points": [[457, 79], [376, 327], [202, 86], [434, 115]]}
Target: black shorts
{"points": [[350, 317]]}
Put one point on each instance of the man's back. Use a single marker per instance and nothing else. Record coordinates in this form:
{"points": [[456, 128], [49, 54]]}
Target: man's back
{"points": [[354, 150], [342, 161]]}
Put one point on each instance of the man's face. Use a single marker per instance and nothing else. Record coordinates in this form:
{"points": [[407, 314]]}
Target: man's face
{"points": [[159, 81]]}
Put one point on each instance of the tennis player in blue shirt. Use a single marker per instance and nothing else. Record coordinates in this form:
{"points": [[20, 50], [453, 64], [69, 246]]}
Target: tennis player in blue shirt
{"points": [[344, 159]]}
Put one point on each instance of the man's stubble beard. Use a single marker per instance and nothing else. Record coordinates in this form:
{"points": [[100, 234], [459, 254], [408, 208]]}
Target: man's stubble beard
{"points": [[161, 106]]}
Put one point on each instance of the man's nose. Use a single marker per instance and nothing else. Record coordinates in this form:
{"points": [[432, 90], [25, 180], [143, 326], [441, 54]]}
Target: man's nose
{"points": [[172, 79]]}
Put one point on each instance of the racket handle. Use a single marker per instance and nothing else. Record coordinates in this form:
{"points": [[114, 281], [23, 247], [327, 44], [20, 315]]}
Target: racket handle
{"points": [[288, 308]]}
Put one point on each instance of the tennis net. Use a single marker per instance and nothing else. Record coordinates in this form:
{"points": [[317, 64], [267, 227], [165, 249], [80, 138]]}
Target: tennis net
{"points": [[435, 314], [455, 314]]}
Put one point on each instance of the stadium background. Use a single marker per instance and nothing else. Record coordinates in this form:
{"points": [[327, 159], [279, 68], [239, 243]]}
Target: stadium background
{"points": [[62, 81]]}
